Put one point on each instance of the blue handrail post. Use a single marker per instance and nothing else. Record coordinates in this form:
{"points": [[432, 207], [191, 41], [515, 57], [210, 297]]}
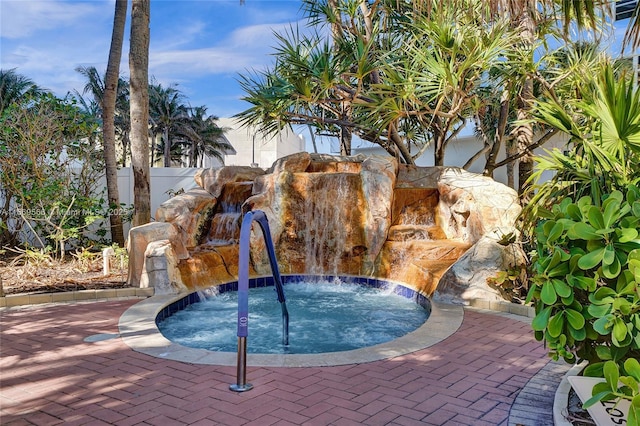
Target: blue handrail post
{"points": [[241, 384]]}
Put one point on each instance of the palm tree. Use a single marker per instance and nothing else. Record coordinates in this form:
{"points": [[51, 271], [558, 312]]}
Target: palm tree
{"points": [[203, 137], [94, 84], [16, 88], [93, 112], [559, 75], [97, 87], [139, 92], [109, 102], [167, 112]]}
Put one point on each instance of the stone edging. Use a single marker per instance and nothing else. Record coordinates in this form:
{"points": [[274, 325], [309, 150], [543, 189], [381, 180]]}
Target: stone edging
{"points": [[507, 307], [72, 296]]}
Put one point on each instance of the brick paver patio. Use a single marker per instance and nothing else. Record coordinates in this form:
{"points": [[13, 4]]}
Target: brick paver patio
{"points": [[50, 375]]}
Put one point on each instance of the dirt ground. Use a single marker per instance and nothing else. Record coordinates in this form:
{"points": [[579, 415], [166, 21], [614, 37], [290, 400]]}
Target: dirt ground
{"points": [[50, 276]]}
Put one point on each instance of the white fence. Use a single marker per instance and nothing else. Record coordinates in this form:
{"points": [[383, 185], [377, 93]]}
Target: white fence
{"points": [[164, 182]]}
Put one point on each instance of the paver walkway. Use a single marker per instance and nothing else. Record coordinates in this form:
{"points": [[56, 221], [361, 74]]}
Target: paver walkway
{"points": [[50, 375]]}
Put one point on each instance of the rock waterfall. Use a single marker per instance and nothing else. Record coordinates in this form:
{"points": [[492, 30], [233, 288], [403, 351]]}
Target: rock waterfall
{"points": [[433, 228]]}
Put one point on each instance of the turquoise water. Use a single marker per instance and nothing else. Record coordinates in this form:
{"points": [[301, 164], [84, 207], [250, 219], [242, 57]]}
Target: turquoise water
{"points": [[324, 317]]}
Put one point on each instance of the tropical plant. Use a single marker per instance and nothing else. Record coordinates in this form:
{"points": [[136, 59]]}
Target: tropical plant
{"points": [[585, 289], [202, 136], [396, 76], [603, 126], [368, 77], [49, 171], [582, 267], [16, 88], [538, 22], [168, 112], [586, 266], [560, 75]]}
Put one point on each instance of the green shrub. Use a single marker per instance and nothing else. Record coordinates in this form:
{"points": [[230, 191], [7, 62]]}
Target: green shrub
{"points": [[585, 291]]}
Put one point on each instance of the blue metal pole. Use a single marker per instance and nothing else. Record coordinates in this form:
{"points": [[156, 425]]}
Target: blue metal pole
{"points": [[243, 293], [241, 384], [243, 276], [264, 224]]}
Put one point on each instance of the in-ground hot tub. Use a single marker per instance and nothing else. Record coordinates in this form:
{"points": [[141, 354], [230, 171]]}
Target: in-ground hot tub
{"points": [[139, 330], [327, 314]]}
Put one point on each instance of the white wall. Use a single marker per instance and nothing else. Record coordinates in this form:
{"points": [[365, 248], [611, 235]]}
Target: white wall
{"points": [[459, 151], [252, 147], [163, 181]]}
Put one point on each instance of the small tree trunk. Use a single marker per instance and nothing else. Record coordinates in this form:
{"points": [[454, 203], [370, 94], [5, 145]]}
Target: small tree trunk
{"points": [[400, 145], [438, 148], [345, 141], [500, 134], [167, 147], [154, 137]]}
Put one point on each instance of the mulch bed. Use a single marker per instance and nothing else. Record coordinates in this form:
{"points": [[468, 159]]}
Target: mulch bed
{"points": [[56, 276]]}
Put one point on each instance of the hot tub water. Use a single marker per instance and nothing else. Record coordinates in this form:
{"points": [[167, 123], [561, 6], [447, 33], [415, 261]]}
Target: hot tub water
{"points": [[328, 316]]}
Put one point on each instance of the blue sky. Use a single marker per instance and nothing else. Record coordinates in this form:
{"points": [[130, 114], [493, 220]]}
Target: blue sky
{"points": [[201, 45]]}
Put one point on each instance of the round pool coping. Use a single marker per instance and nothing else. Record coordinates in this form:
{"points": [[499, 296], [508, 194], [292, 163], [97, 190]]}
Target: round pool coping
{"points": [[138, 330]]}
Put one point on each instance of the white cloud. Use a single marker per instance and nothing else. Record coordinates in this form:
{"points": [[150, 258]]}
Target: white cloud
{"points": [[22, 18], [187, 34], [245, 48], [46, 40]]}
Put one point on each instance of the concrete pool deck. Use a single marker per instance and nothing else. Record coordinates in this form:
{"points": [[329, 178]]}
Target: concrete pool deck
{"points": [[69, 364]]}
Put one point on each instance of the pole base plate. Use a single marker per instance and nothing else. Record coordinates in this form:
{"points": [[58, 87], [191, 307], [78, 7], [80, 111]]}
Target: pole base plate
{"points": [[241, 388]]}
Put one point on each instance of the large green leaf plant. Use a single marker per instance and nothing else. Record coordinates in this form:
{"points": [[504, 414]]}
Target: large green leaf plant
{"points": [[586, 221]]}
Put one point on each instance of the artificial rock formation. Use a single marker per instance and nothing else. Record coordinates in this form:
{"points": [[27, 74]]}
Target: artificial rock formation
{"points": [[334, 215]]}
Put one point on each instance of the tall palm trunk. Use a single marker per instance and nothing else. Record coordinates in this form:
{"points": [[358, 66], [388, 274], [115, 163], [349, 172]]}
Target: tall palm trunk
{"points": [[139, 81], [108, 118]]}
